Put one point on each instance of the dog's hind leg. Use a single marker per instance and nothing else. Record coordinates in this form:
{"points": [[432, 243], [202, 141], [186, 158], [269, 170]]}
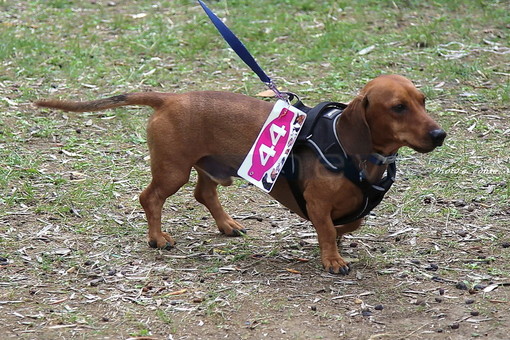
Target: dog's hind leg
{"points": [[206, 193], [152, 200]]}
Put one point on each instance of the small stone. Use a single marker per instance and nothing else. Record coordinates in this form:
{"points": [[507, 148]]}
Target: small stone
{"points": [[462, 233], [475, 313], [441, 291], [469, 301], [366, 312], [454, 326], [439, 300], [505, 244], [415, 261], [96, 282], [379, 307], [459, 203], [313, 308], [432, 267], [479, 287], [461, 285]]}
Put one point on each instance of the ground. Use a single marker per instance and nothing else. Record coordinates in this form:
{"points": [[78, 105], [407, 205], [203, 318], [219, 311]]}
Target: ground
{"points": [[431, 262]]}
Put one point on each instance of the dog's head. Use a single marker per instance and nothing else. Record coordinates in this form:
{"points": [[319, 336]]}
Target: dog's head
{"points": [[389, 113]]}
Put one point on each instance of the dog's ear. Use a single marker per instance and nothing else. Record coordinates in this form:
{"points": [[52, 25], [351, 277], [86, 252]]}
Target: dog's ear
{"points": [[352, 127]]}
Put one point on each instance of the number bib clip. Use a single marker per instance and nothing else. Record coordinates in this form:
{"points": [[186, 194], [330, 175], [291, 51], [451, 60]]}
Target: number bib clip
{"points": [[268, 154]]}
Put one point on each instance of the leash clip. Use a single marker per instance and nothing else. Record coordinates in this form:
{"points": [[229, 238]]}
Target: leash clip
{"points": [[280, 95]]}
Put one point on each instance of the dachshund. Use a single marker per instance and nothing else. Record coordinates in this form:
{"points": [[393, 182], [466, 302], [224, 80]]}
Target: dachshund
{"points": [[212, 132]]}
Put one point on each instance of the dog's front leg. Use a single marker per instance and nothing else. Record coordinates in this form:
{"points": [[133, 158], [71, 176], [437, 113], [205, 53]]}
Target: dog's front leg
{"points": [[320, 216], [343, 229]]}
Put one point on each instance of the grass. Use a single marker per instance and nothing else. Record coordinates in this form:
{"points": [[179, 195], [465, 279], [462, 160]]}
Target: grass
{"points": [[77, 176]]}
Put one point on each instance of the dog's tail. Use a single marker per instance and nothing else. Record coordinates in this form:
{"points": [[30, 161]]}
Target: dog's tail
{"points": [[153, 99]]}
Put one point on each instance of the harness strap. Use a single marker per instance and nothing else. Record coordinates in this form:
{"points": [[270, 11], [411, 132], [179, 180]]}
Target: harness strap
{"points": [[371, 197], [319, 134], [373, 194]]}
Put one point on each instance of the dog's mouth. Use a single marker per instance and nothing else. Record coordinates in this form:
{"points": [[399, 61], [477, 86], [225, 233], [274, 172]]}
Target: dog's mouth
{"points": [[434, 139], [423, 150]]}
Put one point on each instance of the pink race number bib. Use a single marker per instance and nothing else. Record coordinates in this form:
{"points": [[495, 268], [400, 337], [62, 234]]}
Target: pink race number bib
{"points": [[265, 160]]}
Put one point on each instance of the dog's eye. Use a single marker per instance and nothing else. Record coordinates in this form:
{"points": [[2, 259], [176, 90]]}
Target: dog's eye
{"points": [[399, 108]]}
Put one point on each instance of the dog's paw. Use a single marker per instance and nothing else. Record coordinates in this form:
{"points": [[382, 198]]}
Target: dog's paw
{"points": [[230, 227], [336, 265], [163, 241]]}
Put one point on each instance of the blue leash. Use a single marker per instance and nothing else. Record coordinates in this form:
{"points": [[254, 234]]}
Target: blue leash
{"points": [[242, 51]]}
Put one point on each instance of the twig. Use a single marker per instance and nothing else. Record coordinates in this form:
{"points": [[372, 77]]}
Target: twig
{"points": [[416, 330]]}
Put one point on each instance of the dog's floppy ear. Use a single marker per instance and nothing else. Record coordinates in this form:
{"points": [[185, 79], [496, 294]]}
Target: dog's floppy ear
{"points": [[352, 127]]}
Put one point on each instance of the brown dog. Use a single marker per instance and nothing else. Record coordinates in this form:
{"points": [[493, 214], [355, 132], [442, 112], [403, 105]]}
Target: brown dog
{"points": [[213, 131]]}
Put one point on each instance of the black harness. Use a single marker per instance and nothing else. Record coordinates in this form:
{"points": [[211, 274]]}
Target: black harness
{"points": [[319, 134]]}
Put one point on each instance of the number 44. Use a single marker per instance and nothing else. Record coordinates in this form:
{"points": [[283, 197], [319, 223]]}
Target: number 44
{"points": [[267, 152]]}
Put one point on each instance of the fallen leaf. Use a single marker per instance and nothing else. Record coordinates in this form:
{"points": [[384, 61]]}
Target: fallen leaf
{"points": [[267, 93], [138, 15], [367, 50], [61, 251], [177, 292], [490, 288]]}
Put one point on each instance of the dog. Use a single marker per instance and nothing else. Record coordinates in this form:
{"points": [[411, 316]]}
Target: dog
{"points": [[213, 131]]}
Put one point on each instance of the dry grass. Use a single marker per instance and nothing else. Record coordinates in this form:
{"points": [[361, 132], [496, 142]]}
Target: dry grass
{"points": [[73, 257]]}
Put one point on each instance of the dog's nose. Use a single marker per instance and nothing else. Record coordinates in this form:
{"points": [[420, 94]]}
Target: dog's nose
{"points": [[438, 136]]}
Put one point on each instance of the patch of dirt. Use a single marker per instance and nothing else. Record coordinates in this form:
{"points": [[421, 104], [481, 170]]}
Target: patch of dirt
{"points": [[423, 266], [60, 284]]}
